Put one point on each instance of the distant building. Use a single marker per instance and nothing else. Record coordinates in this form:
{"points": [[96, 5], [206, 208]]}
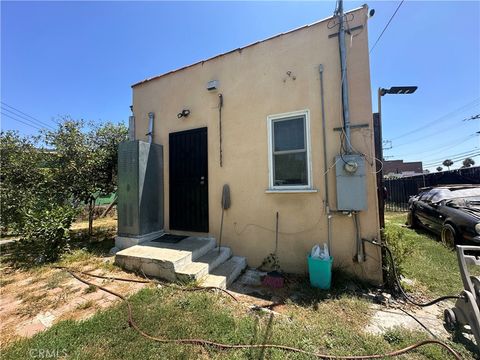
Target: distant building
{"points": [[398, 168]]}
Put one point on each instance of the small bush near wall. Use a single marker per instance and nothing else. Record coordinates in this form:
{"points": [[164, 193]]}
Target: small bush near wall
{"points": [[401, 247]]}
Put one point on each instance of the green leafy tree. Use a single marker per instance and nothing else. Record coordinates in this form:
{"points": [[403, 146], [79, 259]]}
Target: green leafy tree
{"points": [[447, 163], [22, 178], [86, 160], [468, 162], [439, 168]]}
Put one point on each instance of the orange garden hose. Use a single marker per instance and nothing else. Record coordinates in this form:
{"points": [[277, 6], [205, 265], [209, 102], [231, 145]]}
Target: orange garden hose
{"points": [[221, 346]]}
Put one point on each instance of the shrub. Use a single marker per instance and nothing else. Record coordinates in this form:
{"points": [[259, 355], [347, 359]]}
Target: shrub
{"points": [[46, 235], [401, 247]]}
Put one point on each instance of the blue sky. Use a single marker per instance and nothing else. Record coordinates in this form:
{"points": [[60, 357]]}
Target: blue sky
{"points": [[79, 59]]}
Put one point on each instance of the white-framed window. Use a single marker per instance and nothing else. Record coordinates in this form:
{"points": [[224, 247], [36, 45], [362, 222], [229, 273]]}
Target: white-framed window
{"points": [[289, 151]]}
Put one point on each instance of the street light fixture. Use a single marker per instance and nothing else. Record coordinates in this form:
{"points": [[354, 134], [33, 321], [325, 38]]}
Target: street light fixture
{"points": [[398, 90], [394, 90]]}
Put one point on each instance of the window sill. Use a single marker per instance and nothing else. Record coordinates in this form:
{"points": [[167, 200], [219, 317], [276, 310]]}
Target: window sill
{"points": [[290, 191]]}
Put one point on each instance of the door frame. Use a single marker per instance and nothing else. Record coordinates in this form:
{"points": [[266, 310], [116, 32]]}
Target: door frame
{"points": [[206, 226]]}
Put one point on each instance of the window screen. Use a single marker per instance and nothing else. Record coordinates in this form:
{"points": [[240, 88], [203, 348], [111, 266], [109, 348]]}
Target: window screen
{"points": [[289, 151]]}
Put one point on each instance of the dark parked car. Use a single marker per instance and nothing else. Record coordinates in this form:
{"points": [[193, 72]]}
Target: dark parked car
{"points": [[452, 211]]}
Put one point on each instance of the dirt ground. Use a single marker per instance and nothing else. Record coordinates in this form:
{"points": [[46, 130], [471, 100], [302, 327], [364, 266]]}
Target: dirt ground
{"points": [[33, 300]]}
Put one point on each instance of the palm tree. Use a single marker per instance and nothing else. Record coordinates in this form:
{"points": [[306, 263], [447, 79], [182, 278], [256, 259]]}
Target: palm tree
{"points": [[468, 162], [439, 168], [447, 163]]}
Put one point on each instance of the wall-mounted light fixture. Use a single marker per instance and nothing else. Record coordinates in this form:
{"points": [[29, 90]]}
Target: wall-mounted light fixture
{"points": [[212, 85], [184, 113]]}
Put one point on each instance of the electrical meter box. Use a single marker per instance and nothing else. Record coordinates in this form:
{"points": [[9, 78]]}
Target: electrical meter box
{"points": [[140, 188], [351, 186]]}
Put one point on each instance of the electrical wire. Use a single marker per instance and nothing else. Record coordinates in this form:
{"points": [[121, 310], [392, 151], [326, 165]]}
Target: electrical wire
{"points": [[386, 26], [25, 115], [468, 105], [21, 121], [222, 346], [399, 285], [454, 159], [445, 146], [422, 138], [459, 154]]}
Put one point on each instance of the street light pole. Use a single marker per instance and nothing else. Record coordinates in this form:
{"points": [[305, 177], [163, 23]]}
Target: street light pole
{"points": [[394, 90]]}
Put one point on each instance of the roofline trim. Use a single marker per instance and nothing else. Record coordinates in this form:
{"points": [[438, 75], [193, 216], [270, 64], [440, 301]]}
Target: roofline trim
{"points": [[243, 47]]}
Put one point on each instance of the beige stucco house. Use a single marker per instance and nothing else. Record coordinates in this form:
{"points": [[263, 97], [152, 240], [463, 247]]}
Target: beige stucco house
{"points": [[265, 140]]}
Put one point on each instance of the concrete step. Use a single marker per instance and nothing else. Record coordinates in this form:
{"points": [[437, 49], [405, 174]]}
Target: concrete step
{"points": [[163, 260], [226, 273], [203, 265]]}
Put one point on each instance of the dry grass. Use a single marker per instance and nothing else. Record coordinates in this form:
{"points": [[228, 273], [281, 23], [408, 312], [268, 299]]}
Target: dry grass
{"points": [[99, 224], [29, 292]]}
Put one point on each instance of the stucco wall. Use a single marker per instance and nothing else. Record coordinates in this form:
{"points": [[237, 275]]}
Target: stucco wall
{"points": [[254, 84]]}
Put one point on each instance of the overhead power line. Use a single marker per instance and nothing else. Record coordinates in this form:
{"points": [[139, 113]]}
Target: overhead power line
{"points": [[440, 131], [470, 104], [386, 26], [473, 117], [465, 153], [23, 122], [457, 158], [454, 160], [24, 118], [445, 146], [23, 115]]}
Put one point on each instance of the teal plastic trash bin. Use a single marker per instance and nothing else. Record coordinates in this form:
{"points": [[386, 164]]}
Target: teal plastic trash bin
{"points": [[320, 272]]}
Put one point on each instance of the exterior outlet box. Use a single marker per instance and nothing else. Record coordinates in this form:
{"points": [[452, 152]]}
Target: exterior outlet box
{"points": [[351, 187], [140, 188]]}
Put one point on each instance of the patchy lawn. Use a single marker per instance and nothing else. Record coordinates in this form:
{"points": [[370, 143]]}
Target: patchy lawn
{"points": [[333, 326], [32, 299], [433, 266], [332, 322]]}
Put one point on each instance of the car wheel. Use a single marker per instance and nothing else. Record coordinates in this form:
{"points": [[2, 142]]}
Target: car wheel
{"points": [[412, 220], [450, 320], [449, 236]]}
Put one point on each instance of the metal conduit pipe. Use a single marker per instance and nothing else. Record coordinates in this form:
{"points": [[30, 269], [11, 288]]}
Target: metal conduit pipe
{"points": [[325, 163], [343, 67]]}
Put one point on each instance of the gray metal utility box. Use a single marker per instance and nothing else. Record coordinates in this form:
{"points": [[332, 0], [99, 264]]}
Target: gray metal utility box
{"points": [[351, 187], [140, 188]]}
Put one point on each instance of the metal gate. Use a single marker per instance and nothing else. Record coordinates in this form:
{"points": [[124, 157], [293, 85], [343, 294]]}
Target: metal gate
{"points": [[188, 164]]}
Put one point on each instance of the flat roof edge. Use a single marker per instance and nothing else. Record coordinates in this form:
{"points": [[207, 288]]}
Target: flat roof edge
{"points": [[243, 47]]}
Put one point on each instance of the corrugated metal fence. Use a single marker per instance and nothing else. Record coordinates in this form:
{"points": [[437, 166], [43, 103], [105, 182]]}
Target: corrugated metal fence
{"points": [[398, 191]]}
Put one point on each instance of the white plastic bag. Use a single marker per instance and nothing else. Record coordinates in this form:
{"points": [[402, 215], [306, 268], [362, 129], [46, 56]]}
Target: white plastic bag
{"points": [[319, 253], [316, 252], [325, 254]]}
